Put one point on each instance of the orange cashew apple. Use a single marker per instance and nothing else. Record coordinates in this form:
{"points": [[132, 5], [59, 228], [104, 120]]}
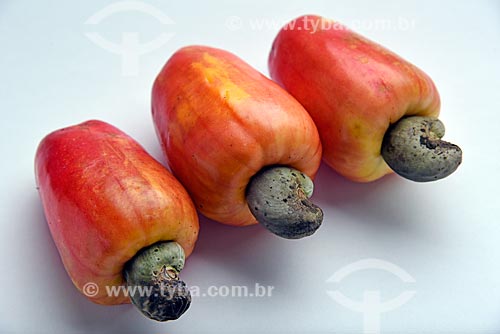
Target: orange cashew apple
{"points": [[243, 147], [374, 110], [117, 217]]}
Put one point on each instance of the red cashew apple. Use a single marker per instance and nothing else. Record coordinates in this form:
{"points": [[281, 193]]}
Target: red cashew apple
{"points": [[245, 149], [117, 217], [374, 110]]}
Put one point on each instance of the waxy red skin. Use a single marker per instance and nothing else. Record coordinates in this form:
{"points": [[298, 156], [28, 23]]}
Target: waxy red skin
{"points": [[105, 198], [353, 88], [220, 122]]}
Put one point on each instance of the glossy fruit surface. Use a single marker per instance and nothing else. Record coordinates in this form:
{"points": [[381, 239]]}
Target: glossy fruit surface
{"points": [[220, 122], [353, 88], [105, 198]]}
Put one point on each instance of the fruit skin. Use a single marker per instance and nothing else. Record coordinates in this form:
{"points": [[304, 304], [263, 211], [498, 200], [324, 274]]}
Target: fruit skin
{"points": [[352, 87], [105, 198], [220, 121]]}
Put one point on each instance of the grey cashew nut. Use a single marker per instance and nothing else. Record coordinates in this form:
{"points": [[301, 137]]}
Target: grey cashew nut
{"points": [[153, 275], [278, 197], [413, 148]]}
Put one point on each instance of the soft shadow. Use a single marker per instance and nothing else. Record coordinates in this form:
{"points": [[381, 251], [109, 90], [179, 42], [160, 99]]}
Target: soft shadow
{"points": [[246, 252], [390, 203]]}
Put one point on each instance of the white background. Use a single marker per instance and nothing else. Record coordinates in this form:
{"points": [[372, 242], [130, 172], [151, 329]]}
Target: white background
{"points": [[446, 234]]}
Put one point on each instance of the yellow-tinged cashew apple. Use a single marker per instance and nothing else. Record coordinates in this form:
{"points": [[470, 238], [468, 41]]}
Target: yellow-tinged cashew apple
{"points": [[374, 110], [244, 148], [117, 217]]}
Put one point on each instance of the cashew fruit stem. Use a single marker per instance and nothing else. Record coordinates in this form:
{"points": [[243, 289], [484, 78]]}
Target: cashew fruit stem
{"points": [[278, 197], [153, 275], [413, 148]]}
